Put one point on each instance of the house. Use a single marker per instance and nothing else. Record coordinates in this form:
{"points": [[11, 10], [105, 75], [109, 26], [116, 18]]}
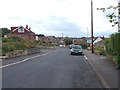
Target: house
{"points": [[40, 37], [23, 32], [100, 41], [89, 39], [95, 39], [79, 41]]}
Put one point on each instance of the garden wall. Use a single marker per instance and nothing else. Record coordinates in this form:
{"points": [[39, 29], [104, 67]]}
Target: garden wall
{"points": [[22, 52]]}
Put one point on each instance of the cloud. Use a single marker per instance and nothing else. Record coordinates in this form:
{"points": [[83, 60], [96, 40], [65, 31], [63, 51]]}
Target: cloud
{"points": [[54, 25], [53, 17]]}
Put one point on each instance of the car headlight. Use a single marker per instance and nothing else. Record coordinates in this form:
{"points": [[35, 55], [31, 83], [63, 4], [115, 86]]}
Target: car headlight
{"points": [[80, 51], [71, 50]]}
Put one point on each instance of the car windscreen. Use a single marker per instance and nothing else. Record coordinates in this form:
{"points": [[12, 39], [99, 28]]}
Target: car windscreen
{"points": [[76, 47]]}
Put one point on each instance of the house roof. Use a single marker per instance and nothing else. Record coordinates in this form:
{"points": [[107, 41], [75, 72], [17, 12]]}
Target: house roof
{"points": [[20, 27]]}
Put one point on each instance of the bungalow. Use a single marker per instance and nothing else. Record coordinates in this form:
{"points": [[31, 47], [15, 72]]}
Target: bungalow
{"points": [[100, 41], [79, 41], [23, 32]]}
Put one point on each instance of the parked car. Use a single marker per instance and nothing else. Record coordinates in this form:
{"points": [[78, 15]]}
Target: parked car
{"points": [[76, 49]]}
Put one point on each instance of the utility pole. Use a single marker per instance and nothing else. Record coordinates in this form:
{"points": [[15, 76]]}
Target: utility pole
{"points": [[92, 25]]}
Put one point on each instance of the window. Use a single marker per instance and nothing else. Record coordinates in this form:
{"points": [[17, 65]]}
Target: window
{"points": [[20, 30]]}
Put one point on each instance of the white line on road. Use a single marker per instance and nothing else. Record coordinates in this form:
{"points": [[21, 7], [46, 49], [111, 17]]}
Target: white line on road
{"points": [[24, 60], [85, 57]]}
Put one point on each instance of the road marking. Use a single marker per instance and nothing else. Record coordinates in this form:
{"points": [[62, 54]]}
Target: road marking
{"points": [[85, 57], [24, 60]]}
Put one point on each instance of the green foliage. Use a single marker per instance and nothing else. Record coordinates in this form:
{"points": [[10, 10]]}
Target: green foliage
{"points": [[46, 44], [12, 46], [21, 46], [97, 48], [68, 41], [4, 31], [113, 17], [16, 38], [7, 48], [113, 47], [6, 40], [14, 42], [84, 46], [101, 50]]}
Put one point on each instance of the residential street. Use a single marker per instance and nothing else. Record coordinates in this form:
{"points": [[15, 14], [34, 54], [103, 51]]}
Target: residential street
{"points": [[58, 69]]}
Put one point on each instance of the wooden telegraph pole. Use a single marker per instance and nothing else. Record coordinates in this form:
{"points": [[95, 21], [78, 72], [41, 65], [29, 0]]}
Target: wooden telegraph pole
{"points": [[92, 25]]}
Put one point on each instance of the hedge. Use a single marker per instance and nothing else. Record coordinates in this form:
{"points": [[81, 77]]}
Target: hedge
{"points": [[113, 47]]}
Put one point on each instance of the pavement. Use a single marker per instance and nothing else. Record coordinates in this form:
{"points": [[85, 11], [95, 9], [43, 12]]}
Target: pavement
{"points": [[104, 68]]}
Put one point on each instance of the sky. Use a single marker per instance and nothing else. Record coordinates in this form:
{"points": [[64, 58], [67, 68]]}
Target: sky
{"points": [[70, 18]]}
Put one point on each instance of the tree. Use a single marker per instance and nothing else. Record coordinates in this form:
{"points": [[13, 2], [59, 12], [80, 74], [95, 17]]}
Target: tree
{"points": [[113, 18], [68, 41], [4, 31]]}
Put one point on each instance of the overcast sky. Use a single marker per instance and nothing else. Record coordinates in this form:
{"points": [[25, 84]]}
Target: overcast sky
{"points": [[54, 17]]}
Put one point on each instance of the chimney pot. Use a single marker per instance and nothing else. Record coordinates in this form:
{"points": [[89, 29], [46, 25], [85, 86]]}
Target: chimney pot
{"points": [[27, 26]]}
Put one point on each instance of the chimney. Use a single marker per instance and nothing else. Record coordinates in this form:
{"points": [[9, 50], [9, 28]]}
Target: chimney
{"points": [[26, 26]]}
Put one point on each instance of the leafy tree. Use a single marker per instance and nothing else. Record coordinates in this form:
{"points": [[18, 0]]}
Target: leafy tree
{"points": [[68, 41], [4, 31], [113, 17]]}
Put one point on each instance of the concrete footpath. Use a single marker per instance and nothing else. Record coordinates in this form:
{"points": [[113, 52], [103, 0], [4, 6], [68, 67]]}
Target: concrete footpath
{"points": [[104, 68]]}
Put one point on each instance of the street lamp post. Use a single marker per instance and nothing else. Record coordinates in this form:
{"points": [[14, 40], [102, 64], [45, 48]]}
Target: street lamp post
{"points": [[92, 24]]}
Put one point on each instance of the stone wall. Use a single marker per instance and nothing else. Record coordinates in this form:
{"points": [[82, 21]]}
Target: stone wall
{"points": [[33, 51], [16, 53], [22, 52]]}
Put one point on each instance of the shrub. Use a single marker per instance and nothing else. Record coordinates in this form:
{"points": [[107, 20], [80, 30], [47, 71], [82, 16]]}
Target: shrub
{"points": [[113, 47], [6, 40], [7, 48], [103, 52], [97, 48], [16, 38], [21, 46], [84, 46]]}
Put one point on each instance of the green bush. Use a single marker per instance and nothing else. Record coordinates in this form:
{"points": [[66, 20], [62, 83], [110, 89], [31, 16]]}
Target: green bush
{"points": [[5, 40], [15, 42], [21, 46], [103, 52], [7, 48], [84, 46], [113, 47], [97, 48], [16, 38], [68, 41]]}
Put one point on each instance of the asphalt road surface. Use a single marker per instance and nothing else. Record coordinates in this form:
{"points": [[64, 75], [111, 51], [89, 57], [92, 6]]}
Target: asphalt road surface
{"points": [[58, 69]]}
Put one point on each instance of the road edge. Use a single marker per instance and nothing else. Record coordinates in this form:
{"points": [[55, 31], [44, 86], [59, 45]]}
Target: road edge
{"points": [[105, 84]]}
